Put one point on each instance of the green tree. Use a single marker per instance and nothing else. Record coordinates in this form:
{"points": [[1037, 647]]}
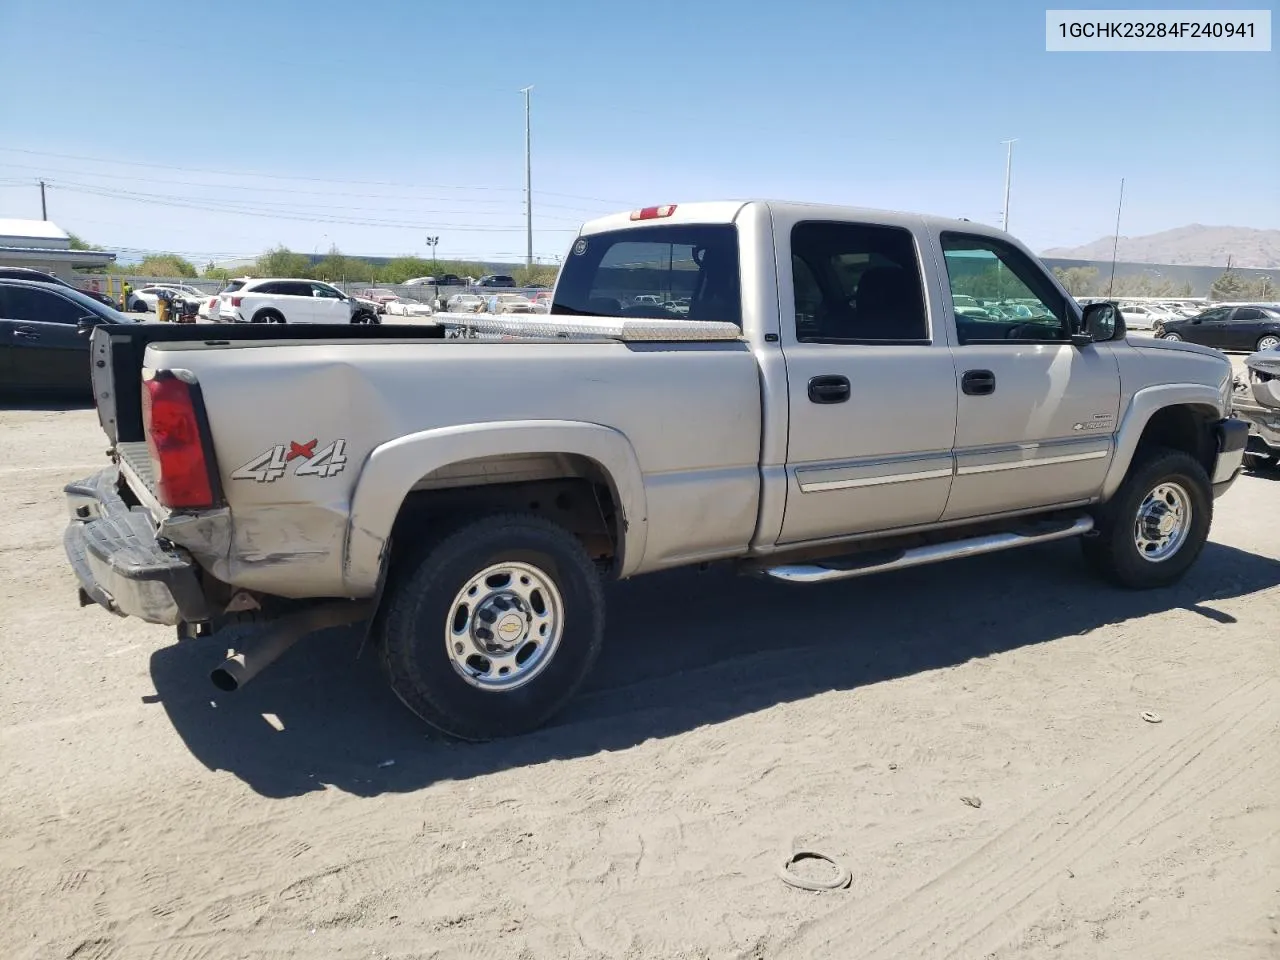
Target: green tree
{"points": [[1228, 286], [338, 266], [538, 275], [78, 244], [162, 265], [282, 262], [1263, 288], [1079, 281]]}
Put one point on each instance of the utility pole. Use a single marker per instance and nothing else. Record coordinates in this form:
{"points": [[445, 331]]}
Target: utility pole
{"points": [[1008, 174], [528, 183], [44, 210]]}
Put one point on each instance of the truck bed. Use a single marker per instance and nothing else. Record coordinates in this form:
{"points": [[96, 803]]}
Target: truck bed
{"points": [[119, 349]]}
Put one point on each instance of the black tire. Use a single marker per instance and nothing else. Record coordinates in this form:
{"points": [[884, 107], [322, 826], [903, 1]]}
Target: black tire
{"points": [[1266, 342], [268, 316], [364, 316], [1260, 461], [420, 608], [1112, 549]]}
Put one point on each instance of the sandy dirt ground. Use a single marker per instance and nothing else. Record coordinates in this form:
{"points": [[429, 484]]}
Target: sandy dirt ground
{"points": [[145, 815]]}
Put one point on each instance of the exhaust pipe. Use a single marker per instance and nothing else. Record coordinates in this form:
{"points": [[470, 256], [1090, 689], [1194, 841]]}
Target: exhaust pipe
{"points": [[265, 649]]}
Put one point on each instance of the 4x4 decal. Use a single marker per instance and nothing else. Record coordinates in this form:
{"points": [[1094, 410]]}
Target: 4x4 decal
{"points": [[270, 465]]}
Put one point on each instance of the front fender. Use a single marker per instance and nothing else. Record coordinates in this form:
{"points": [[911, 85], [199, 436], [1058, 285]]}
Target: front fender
{"points": [[392, 469], [1144, 405]]}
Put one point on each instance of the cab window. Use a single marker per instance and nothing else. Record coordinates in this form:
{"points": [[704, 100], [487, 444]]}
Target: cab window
{"points": [[999, 295]]}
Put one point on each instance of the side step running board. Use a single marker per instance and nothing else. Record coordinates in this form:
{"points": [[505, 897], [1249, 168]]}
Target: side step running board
{"points": [[843, 568]]}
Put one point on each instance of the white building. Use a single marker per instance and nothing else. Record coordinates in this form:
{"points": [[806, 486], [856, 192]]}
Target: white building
{"points": [[43, 245]]}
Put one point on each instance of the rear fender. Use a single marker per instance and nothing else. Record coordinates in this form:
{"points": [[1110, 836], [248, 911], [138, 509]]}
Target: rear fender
{"points": [[392, 470]]}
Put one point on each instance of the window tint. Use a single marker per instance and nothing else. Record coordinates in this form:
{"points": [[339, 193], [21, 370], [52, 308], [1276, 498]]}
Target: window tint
{"points": [[997, 293], [293, 289], [1248, 313], [687, 271], [856, 283], [1219, 314], [233, 286], [40, 306]]}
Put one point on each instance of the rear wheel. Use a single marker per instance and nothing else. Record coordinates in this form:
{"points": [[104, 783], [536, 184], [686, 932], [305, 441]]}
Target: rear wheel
{"points": [[490, 631], [268, 316], [1155, 526], [1269, 342]]}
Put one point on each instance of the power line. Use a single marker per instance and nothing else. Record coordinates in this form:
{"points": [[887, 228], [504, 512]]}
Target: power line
{"points": [[276, 176]]}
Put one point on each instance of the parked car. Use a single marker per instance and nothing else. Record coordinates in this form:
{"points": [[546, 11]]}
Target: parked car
{"points": [[277, 300], [1257, 400], [470, 497], [444, 280], [1228, 328], [542, 301], [145, 298], [504, 303], [44, 336], [379, 296], [408, 307], [1145, 316], [496, 280], [465, 303]]}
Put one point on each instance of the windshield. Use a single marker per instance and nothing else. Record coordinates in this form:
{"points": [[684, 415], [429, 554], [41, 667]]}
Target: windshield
{"points": [[669, 272]]}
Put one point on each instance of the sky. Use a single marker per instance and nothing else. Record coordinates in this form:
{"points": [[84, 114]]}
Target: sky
{"points": [[221, 130]]}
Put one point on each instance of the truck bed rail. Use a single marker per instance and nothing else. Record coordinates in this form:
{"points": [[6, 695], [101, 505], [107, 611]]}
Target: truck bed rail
{"points": [[490, 327]]}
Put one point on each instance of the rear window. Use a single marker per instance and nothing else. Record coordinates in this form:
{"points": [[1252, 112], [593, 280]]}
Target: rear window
{"points": [[672, 272], [233, 286]]}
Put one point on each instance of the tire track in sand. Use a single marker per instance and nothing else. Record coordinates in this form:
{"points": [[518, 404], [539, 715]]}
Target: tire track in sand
{"points": [[984, 898]]}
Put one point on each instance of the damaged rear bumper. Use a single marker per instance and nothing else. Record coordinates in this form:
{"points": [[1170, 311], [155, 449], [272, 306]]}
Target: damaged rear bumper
{"points": [[119, 562]]}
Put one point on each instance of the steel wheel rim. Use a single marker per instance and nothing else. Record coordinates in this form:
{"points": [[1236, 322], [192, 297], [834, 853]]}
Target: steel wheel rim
{"points": [[1163, 522], [504, 626], [1268, 343]]}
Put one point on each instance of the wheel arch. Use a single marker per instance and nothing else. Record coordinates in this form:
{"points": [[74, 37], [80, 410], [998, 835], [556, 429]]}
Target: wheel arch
{"points": [[467, 458], [1179, 416]]}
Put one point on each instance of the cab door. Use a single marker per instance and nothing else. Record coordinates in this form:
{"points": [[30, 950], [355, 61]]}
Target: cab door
{"points": [[871, 384], [1036, 415], [329, 306]]}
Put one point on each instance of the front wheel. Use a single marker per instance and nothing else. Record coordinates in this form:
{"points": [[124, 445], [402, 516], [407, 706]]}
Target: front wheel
{"points": [[1269, 342], [365, 317], [1157, 523], [492, 630], [1170, 336]]}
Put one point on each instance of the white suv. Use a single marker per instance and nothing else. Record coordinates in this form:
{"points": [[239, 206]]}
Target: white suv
{"points": [[276, 300]]}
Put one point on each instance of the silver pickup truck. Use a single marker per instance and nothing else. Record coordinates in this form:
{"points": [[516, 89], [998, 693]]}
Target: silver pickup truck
{"points": [[811, 393]]}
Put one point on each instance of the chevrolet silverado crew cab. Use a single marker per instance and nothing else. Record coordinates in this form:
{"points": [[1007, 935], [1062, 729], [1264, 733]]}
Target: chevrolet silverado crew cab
{"points": [[816, 409], [271, 300]]}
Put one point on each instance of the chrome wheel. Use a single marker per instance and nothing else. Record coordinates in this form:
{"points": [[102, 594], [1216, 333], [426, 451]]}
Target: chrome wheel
{"points": [[1268, 343], [504, 626], [1163, 522], [1170, 336]]}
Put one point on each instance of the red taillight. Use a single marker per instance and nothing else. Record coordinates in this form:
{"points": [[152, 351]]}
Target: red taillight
{"points": [[235, 301], [653, 213], [173, 438]]}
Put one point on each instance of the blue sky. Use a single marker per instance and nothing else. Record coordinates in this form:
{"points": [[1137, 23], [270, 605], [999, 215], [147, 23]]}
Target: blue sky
{"points": [[404, 119]]}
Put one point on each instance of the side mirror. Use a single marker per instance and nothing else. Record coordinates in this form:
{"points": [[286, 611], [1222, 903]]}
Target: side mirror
{"points": [[86, 325], [1102, 323]]}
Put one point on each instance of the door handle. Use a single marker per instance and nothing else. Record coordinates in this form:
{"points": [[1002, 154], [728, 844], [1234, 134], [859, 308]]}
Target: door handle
{"points": [[978, 383], [26, 333], [830, 388]]}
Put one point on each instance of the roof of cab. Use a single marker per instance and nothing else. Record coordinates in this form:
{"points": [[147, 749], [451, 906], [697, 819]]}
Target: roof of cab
{"points": [[726, 211]]}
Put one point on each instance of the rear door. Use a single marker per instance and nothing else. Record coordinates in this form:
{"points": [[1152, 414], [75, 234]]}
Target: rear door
{"points": [[871, 383], [1243, 329], [1036, 414], [47, 350]]}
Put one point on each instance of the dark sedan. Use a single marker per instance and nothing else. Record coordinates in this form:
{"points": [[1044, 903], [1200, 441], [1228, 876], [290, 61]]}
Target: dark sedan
{"points": [[1228, 328], [44, 336]]}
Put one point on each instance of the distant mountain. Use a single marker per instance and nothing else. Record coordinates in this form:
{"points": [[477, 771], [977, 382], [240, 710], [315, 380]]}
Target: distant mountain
{"points": [[1194, 245]]}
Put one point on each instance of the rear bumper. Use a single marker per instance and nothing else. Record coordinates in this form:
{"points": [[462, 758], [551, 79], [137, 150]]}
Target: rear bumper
{"points": [[1232, 435], [120, 565]]}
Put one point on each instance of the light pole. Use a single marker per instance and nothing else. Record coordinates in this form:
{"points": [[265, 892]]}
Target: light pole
{"points": [[528, 182], [1008, 174], [432, 242]]}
